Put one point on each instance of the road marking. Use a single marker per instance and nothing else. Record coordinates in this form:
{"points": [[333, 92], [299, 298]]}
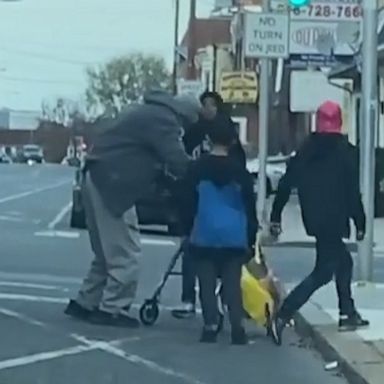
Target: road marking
{"points": [[33, 191], [89, 345], [138, 360], [32, 298], [75, 235], [63, 300], [14, 213], [11, 218], [150, 241], [62, 234], [60, 216], [44, 356], [24, 318], [19, 284]]}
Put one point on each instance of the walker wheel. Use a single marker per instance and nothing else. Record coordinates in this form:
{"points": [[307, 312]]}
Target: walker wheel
{"points": [[149, 312]]}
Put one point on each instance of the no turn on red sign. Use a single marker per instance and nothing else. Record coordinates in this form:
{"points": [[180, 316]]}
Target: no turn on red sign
{"points": [[266, 35]]}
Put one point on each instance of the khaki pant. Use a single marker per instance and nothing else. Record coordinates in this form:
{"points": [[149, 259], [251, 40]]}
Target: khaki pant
{"points": [[111, 282]]}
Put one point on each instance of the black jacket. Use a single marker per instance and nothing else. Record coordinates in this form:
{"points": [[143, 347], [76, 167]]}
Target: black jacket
{"points": [[196, 140], [127, 156], [325, 172], [221, 170]]}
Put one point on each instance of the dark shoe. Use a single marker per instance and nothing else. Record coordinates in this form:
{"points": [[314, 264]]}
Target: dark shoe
{"points": [[352, 322], [277, 329], [186, 311], [108, 319], [208, 336], [74, 309], [239, 337]]}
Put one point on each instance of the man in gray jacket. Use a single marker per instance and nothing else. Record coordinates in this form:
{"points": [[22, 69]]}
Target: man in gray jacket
{"points": [[122, 165]]}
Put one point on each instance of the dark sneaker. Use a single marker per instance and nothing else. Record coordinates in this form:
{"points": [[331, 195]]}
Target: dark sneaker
{"points": [[352, 322], [74, 309], [186, 311], [277, 329], [99, 317], [239, 337], [208, 336]]}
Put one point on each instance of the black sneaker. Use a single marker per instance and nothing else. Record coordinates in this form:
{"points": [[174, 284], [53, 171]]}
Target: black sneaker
{"points": [[74, 309], [277, 329], [99, 317], [352, 322], [186, 311], [239, 337], [208, 336]]}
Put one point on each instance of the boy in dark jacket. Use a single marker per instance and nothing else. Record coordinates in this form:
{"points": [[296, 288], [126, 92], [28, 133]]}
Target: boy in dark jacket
{"points": [[219, 216], [325, 172], [196, 142]]}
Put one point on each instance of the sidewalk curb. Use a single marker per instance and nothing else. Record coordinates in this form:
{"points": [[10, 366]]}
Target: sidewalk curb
{"points": [[327, 351], [310, 244]]}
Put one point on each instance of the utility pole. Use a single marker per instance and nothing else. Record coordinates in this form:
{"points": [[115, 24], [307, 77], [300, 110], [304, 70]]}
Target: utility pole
{"points": [[191, 70], [263, 136], [369, 120], [175, 46]]}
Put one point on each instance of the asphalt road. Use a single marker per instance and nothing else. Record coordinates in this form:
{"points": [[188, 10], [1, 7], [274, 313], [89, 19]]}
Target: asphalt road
{"points": [[41, 264]]}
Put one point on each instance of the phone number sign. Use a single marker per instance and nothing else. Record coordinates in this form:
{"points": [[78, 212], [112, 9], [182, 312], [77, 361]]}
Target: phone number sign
{"points": [[328, 11]]}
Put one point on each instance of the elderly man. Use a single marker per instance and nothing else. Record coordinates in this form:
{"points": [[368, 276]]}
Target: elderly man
{"points": [[122, 165]]}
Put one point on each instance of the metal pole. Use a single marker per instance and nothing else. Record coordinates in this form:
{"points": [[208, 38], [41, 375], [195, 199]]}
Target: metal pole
{"points": [[176, 43], [263, 136], [369, 104], [191, 70]]}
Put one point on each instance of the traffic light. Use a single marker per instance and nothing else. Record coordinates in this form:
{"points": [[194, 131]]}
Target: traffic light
{"points": [[298, 3]]}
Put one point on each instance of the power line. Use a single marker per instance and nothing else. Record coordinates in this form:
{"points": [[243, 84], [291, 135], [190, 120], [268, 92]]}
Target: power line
{"points": [[36, 80], [46, 57]]}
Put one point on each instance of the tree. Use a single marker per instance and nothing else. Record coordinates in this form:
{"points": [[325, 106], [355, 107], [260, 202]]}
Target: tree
{"points": [[61, 111], [123, 81]]}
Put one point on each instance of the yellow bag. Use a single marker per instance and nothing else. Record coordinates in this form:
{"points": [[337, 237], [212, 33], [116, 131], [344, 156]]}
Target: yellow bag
{"points": [[256, 283]]}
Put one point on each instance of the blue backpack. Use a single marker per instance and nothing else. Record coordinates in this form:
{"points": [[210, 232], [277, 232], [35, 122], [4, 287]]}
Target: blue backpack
{"points": [[220, 221]]}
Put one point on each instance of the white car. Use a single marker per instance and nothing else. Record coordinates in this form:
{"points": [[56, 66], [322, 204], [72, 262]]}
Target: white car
{"points": [[275, 171]]}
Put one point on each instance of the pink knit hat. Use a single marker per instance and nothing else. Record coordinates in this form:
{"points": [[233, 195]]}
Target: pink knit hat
{"points": [[329, 118]]}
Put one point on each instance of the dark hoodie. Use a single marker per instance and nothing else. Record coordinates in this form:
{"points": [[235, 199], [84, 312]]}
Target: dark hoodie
{"points": [[196, 140], [126, 157], [325, 172], [221, 170]]}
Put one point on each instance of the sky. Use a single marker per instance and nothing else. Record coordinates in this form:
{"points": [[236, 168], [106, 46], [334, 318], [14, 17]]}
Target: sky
{"points": [[46, 45]]}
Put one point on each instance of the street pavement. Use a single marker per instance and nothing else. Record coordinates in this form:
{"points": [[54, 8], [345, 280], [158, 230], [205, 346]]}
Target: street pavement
{"points": [[42, 262]]}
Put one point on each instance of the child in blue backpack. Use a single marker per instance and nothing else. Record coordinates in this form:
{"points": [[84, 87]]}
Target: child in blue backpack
{"points": [[218, 213]]}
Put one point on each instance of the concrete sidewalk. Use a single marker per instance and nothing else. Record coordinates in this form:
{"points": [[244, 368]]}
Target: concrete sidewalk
{"points": [[294, 233], [359, 354]]}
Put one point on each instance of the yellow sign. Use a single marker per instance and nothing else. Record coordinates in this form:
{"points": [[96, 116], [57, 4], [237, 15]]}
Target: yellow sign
{"points": [[239, 87]]}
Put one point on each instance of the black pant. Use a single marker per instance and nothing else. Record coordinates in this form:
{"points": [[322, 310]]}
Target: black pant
{"points": [[332, 260], [229, 270], [188, 269]]}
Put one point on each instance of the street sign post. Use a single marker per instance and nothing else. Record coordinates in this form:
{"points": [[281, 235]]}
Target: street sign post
{"points": [[267, 35], [369, 122]]}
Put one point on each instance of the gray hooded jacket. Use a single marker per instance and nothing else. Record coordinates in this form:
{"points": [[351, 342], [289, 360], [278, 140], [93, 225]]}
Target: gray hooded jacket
{"points": [[125, 159]]}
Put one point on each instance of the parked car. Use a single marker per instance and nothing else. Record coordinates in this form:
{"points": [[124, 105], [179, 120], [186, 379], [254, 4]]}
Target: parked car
{"points": [[157, 206], [275, 171], [31, 152], [154, 208], [5, 159]]}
